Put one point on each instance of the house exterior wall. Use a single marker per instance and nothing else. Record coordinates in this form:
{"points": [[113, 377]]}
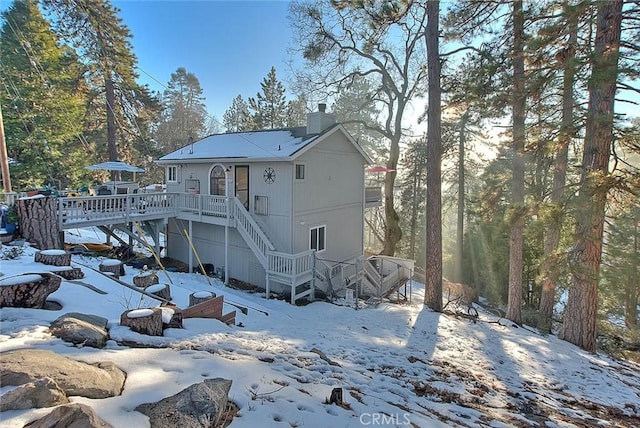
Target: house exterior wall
{"points": [[208, 240], [331, 194], [277, 224]]}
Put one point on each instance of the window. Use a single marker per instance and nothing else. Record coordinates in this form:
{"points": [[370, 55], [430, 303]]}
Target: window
{"points": [[261, 205], [172, 173], [317, 237], [299, 171], [217, 181]]}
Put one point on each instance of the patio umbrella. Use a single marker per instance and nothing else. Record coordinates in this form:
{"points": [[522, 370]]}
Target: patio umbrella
{"points": [[115, 166]]}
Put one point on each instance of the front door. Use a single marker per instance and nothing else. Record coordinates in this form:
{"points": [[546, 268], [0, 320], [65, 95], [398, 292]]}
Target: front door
{"points": [[242, 184]]}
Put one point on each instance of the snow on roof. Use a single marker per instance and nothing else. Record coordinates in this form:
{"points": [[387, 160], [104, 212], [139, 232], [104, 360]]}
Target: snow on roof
{"points": [[268, 144]]}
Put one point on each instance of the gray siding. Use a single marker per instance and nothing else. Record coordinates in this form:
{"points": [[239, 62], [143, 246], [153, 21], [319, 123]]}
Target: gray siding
{"points": [[331, 194]]}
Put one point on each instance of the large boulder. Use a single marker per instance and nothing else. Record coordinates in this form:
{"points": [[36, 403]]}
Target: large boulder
{"points": [[99, 380], [43, 392], [81, 329], [200, 405], [74, 415]]}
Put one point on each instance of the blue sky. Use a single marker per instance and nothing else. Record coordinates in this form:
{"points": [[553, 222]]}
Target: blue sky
{"points": [[229, 45]]}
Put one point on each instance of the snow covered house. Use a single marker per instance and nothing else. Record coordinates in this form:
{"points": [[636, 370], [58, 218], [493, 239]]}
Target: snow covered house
{"points": [[281, 209]]}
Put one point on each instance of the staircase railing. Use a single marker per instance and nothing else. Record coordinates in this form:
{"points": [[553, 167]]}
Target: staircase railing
{"points": [[251, 232]]}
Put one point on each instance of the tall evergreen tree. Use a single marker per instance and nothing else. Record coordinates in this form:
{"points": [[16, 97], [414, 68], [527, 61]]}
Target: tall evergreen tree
{"points": [[43, 99], [94, 28], [184, 115], [433, 264], [237, 118], [269, 107], [579, 325], [516, 242]]}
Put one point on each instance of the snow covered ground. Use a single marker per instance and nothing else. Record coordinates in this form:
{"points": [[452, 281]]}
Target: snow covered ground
{"points": [[398, 364]]}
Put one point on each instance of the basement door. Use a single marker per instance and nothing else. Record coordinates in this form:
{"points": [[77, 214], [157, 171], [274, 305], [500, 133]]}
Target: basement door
{"points": [[242, 184]]}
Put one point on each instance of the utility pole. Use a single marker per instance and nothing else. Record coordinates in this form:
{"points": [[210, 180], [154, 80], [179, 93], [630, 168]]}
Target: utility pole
{"points": [[4, 160]]}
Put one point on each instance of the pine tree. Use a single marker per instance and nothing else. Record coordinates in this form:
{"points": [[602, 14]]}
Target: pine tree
{"points": [[579, 326], [269, 108], [43, 101], [95, 30], [237, 117], [184, 115]]}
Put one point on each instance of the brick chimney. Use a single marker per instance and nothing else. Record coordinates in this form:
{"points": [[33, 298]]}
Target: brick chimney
{"points": [[319, 120]]}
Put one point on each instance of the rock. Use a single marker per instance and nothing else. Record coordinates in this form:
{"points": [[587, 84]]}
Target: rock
{"points": [[200, 405], [99, 380], [28, 290], [43, 392], [81, 329], [74, 415]]}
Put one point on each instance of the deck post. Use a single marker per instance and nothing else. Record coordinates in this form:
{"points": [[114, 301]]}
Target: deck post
{"points": [[226, 246], [268, 286], [190, 252], [313, 275]]}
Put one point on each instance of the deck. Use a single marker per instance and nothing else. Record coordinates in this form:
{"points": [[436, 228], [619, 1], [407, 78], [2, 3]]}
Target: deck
{"points": [[294, 270]]}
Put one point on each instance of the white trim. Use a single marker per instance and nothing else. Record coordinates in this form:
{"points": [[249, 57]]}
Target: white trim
{"points": [[175, 174], [324, 240], [304, 171]]}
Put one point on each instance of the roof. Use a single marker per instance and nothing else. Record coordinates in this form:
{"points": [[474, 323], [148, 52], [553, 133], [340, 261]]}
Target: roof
{"points": [[272, 144]]}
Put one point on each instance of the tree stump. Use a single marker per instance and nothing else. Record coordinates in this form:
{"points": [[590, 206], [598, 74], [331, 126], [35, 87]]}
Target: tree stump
{"points": [[160, 290], [200, 296], [53, 257], [69, 273], [145, 279], [39, 221], [28, 290], [113, 266], [336, 396], [144, 321], [171, 316]]}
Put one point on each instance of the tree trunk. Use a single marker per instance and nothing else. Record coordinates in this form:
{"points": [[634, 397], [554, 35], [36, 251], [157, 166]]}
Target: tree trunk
{"points": [[516, 241], [392, 232], [433, 266], [579, 325], [112, 147], [460, 217], [39, 222], [28, 291], [567, 131], [633, 285]]}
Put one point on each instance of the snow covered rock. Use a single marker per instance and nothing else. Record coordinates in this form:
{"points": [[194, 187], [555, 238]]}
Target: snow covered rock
{"points": [[200, 405], [43, 392], [98, 380], [81, 329], [70, 415]]}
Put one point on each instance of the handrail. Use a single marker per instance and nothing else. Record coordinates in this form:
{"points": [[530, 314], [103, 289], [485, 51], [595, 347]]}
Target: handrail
{"points": [[290, 265], [251, 231]]}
